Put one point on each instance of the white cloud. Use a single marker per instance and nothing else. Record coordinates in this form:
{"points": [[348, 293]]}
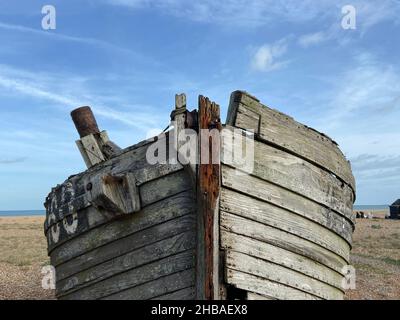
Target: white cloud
{"points": [[261, 12], [265, 57], [370, 87], [312, 39], [50, 88]]}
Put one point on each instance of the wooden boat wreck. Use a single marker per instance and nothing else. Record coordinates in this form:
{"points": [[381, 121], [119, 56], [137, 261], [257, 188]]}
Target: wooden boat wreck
{"points": [[276, 227]]}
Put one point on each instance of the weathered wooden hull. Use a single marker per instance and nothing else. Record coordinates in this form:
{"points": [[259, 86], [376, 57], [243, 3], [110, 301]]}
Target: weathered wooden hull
{"points": [[282, 231], [286, 228], [146, 255]]}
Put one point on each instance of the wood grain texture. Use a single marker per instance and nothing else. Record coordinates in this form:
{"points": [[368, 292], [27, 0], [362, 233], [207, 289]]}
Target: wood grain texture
{"points": [[256, 296], [183, 294], [285, 276], [266, 287], [165, 288], [293, 173], [208, 200], [126, 244], [128, 261], [282, 257], [273, 236], [157, 213], [288, 200], [74, 194], [154, 190], [265, 213], [132, 278], [284, 131]]}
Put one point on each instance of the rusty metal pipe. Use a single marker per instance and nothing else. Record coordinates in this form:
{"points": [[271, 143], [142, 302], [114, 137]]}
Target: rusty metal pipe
{"points": [[84, 121]]}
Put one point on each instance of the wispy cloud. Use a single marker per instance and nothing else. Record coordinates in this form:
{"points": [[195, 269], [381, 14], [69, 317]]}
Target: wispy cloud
{"points": [[46, 87], [312, 39], [373, 166], [261, 12], [62, 37], [370, 87], [265, 58], [12, 161]]}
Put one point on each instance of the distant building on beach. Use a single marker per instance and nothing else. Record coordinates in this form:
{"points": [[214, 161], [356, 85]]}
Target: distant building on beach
{"points": [[395, 210]]}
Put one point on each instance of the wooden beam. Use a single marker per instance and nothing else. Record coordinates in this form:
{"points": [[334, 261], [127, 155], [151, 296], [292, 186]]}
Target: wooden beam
{"points": [[208, 197], [94, 146]]}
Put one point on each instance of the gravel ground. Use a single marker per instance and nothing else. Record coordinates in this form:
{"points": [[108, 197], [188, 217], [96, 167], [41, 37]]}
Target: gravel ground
{"points": [[22, 256], [376, 258], [375, 255]]}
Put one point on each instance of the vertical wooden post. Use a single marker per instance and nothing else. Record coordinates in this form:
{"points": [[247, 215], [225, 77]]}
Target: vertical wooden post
{"points": [[208, 189]]}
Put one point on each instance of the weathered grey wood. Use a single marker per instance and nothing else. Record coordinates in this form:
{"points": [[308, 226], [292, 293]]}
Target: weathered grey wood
{"points": [[280, 256], [157, 213], [256, 230], [131, 260], [286, 276], [165, 187], [293, 173], [155, 190], [183, 294], [279, 218], [90, 150], [286, 199], [282, 130], [173, 264], [256, 296], [116, 193], [164, 286], [71, 196], [266, 287], [126, 244]]}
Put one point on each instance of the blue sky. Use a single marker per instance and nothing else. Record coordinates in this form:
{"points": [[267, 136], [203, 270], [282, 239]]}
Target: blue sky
{"points": [[128, 58]]}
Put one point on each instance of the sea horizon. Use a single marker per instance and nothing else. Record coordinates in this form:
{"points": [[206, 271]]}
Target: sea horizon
{"points": [[371, 207], [21, 213]]}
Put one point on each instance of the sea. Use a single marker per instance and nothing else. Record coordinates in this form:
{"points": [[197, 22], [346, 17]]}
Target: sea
{"points": [[371, 207], [43, 212], [21, 213]]}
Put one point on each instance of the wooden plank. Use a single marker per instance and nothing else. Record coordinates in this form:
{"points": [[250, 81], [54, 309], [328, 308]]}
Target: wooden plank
{"points": [[256, 296], [255, 230], [91, 151], [126, 244], [265, 213], [132, 278], [282, 130], [72, 195], [128, 261], [208, 199], [165, 187], [183, 294], [265, 287], [164, 287], [288, 200], [157, 213], [280, 256], [155, 190], [293, 173], [286, 276]]}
